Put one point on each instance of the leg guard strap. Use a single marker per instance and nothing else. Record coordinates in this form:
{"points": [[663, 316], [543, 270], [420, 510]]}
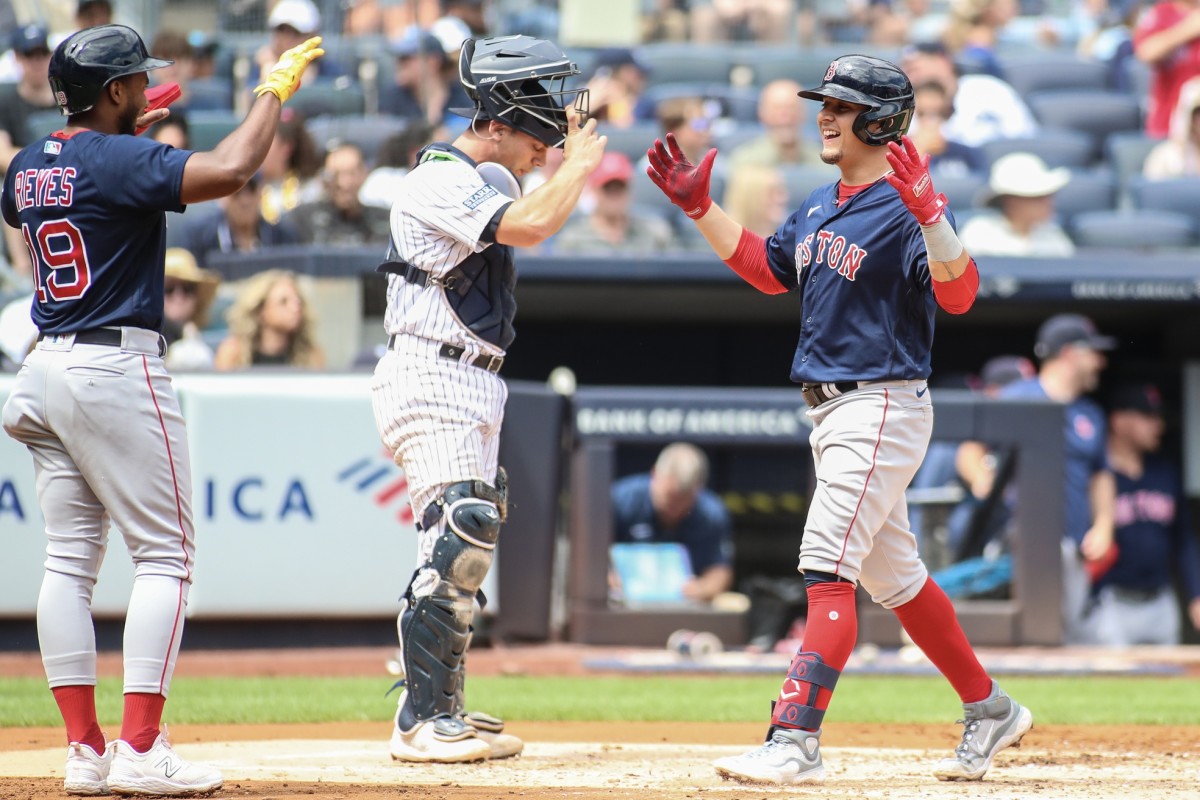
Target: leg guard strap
{"points": [[797, 703]]}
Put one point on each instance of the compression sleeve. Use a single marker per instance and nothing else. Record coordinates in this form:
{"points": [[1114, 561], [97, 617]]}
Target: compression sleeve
{"points": [[749, 260], [958, 295]]}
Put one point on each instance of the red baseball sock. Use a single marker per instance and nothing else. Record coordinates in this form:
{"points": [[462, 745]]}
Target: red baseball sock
{"points": [[77, 704], [142, 719], [930, 620], [830, 632]]}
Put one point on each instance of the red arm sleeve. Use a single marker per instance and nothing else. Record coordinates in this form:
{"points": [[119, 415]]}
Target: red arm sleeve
{"points": [[749, 260], [958, 295]]}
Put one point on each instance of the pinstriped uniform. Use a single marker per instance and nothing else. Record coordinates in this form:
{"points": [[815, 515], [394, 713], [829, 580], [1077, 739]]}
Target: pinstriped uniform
{"points": [[439, 417]]}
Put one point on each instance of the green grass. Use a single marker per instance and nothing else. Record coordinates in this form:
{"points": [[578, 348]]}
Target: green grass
{"points": [[860, 698]]}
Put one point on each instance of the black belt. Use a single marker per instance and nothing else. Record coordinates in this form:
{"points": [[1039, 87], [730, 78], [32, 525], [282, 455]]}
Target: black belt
{"points": [[109, 337], [817, 393], [454, 353]]}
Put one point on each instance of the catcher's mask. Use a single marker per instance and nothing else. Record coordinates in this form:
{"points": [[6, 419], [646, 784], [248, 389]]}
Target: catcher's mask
{"points": [[521, 82]]}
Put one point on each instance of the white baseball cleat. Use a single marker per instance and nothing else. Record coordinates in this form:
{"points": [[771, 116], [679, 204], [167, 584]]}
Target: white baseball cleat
{"points": [[87, 771], [790, 756], [491, 730], [989, 726], [159, 772], [442, 740]]}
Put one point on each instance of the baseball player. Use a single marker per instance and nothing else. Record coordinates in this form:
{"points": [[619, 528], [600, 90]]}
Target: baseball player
{"points": [[437, 395], [871, 257], [93, 402]]}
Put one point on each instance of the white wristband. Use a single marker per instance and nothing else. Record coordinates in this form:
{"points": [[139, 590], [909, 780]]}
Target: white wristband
{"points": [[941, 242]]}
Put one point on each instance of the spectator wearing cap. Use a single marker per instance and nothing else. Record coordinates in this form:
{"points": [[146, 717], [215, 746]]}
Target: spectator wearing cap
{"points": [[783, 118], [1133, 598], [425, 85], [946, 156], [1021, 193], [90, 13], [613, 226], [237, 226], [174, 46], [340, 219], [460, 20], [617, 86], [291, 23], [985, 107], [1071, 352], [204, 54]]}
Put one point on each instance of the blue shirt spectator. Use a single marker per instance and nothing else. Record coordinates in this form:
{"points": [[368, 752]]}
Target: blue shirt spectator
{"points": [[670, 504]]}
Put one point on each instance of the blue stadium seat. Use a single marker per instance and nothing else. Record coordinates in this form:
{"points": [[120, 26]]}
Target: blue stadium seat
{"points": [[1179, 195], [804, 65], [673, 62], [1133, 229], [210, 94], [961, 190], [368, 132], [1126, 152], [207, 128], [1058, 148], [342, 97], [1089, 190], [802, 179], [633, 141], [739, 103], [1048, 70], [1096, 113]]}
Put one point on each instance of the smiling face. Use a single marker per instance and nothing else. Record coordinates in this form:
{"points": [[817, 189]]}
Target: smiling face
{"points": [[836, 123]]}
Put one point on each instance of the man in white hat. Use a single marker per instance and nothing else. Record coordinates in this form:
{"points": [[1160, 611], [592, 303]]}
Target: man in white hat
{"points": [[292, 22], [1021, 189]]}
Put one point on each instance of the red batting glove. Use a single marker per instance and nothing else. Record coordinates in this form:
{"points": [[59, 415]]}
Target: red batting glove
{"points": [[684, 183], [159, 97], [910, 177]]}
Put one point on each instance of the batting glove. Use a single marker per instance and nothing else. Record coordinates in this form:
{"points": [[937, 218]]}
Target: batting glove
{"points": [[284, 78], [684, 183], [910, 177]]}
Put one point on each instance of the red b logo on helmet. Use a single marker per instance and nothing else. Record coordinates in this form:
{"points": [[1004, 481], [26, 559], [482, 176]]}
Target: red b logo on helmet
{"points": [[829, 73]]}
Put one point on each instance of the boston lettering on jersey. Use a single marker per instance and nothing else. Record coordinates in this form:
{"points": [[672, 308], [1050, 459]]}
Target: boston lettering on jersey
{"points": [[833, 252]]}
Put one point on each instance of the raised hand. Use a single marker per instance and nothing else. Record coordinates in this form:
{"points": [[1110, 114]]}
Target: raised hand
{"points": [[157, 100], [583, 145], [284, 78], [684, 183], [910, 177]]}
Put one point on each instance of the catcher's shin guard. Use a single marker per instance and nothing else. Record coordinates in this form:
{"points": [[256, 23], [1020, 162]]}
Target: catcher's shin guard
{"points": [[436, 628], [797, 703]]}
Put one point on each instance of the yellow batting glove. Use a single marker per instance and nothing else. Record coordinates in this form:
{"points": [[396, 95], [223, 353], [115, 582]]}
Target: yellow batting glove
{"points": [[284, 78]]}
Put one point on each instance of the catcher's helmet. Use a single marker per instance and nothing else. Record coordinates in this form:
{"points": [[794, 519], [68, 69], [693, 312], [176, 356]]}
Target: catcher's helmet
{"points": [[880, 85], [520, 81], [88, 60]]}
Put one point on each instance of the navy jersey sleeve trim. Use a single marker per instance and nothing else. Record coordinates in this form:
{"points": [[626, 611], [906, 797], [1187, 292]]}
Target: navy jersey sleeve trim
{"points": [[488, 234]]}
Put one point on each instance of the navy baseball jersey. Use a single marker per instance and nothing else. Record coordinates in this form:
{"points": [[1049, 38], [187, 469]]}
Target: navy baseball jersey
{"points": [[90, 208], [1153, 531], [706, 532], [1086, 452], [872, 268]]}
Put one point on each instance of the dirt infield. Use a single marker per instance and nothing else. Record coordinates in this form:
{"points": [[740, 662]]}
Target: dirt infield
{"points": [[638, 761]]}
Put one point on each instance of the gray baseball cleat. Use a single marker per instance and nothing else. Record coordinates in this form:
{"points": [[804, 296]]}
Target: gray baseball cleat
{"points": [[789, 756], [989, 726]]}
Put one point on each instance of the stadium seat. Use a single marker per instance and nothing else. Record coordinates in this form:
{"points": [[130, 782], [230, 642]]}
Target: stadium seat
{"points": [[673, 62], [339, 98], [962, 190], [1089, 190], [210, 94], [1058, 148], [633, 141], [207, 128], [368, 132], [806, 66], [1042, 71], [802, 179], [1133, 229], [1095, 113], [44, 123], [1180, 195], [728, 138], [1126, 152], [738, 103]]}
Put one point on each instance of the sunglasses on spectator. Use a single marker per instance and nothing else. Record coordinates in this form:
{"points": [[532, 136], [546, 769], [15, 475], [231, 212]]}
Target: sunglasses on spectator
{"points": [[186, 289]]}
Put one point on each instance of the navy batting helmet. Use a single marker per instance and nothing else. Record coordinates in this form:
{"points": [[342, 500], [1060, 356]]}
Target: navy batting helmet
{"points": [[88, 60], [879, 85], [520, 81]]}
